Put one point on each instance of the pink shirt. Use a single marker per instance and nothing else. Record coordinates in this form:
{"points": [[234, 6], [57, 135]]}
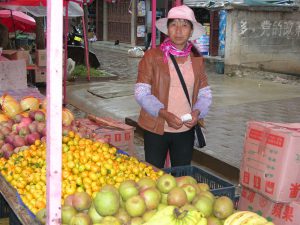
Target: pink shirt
{"points": [[178, 103]]}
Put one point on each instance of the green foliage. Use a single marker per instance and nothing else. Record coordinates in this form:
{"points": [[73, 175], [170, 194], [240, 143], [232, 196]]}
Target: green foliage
{"points": [[81, 71]]}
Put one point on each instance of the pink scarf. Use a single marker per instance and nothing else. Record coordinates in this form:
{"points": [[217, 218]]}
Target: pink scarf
{"points": [[168, 48]]}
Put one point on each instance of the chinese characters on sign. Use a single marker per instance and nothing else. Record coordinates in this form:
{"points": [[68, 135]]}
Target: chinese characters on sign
{"points": [[287, 29], [269, 186]]}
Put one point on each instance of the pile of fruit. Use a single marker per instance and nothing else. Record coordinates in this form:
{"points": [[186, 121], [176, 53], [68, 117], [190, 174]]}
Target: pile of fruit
{"points": [[24, 122], [86, 166], [167, 201]]}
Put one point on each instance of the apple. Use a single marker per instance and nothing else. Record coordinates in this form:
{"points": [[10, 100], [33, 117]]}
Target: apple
{"points": [[81, 219], [190, 191], [203, 186], [111, 220], [185, 180], [109, 187], [81, 201], [145, 183], [123, 216], [164, 199], [107, 202], [69, 200], [94, 215], [128, 189], [177, 197], [67, 212], [152, 197], [135, 206], [204, 205], [188, 207], [212, 220], [166, 183], [42, 216], [208, 194]]}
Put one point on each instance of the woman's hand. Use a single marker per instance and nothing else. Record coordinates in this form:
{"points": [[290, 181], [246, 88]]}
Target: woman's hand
{"points": [[172, 120], [195, 116]]}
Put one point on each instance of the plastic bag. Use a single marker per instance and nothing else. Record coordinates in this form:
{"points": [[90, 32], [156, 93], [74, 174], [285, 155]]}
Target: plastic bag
{"points": [[136, 52]]}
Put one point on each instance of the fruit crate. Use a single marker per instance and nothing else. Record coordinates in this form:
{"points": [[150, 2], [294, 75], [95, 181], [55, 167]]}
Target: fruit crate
{"points": [[4, 208], [218, 186]]}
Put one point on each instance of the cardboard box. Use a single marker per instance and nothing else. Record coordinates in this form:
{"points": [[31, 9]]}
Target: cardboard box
{"points": [[40, 75], [41, 57], [271, 160], [13, 75], [278, 213], [17, 55], [116, 133]]}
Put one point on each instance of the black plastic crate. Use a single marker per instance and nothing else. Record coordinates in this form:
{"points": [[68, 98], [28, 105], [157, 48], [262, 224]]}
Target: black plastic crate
{"points": [[4, 208], [218, 186]]}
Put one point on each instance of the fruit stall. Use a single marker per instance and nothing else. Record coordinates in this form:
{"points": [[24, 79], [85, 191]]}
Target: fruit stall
{"points": [[58, 169], [101, 184]]}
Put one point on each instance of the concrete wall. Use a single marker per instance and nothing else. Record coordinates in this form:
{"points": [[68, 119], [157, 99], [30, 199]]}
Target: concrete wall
{"points": [[262, 39]]}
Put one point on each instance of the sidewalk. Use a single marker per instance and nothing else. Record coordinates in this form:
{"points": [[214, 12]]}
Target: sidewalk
{"points": [[235, 101]]}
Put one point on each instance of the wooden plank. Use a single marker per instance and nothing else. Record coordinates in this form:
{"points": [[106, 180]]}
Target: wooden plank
{"points": [[10, 195]]}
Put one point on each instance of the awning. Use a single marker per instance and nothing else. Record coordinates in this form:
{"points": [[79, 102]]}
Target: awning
{"points": [[39, 11], [222, 3]]}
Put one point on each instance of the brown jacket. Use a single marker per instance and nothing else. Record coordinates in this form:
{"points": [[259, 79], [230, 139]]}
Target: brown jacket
{"points": [[152, 70]]}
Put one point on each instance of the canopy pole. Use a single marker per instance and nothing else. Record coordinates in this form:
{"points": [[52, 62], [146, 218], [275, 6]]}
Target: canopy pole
{"points": [[86, 48], [13, 22], [66, 52], [54, 110], [153, 38]]}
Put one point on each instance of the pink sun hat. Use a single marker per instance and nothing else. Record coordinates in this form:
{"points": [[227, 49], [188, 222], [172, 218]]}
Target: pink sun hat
{"points": [[181, 12]]}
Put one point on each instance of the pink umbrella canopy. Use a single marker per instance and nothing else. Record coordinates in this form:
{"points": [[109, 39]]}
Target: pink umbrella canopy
{"points": [[16, 20]]}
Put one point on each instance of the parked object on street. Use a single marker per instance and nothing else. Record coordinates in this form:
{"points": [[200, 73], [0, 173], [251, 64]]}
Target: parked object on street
{"points": [[136, 52], [77, 53], [75, 36]]}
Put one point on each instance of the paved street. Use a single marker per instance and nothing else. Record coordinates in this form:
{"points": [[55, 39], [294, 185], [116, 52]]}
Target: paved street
{"points": [[236, 101]]}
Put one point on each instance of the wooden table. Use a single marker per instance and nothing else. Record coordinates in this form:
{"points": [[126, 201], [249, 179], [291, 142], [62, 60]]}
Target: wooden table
{"points": [[10, 195]]}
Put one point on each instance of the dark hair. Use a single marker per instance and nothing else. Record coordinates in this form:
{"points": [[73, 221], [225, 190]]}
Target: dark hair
{"points": [[171, 20]]}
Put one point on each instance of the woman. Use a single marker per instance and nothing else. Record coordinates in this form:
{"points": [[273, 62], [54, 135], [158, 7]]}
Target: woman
{"points": [[160, 94]]}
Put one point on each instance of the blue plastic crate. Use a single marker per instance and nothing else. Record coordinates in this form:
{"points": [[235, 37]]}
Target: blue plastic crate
{"points": [[218, 186], [4, 208]]}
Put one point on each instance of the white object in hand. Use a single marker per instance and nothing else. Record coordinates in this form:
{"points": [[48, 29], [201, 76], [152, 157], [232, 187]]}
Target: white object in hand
{"points": [[186, 117]]}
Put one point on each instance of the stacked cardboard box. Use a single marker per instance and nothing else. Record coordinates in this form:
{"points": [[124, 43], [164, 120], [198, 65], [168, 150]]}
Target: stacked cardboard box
{"points": [[41, 62], [17, 55], [270, 172], [109, 130]]}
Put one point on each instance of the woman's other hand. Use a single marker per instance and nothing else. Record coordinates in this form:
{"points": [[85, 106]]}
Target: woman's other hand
{"points": [[195, 116], [172, 120]]}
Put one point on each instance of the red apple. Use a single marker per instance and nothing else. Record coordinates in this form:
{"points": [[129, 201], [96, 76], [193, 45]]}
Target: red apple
{"points": [[145, 182], [152, 197], [177, 197]]}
